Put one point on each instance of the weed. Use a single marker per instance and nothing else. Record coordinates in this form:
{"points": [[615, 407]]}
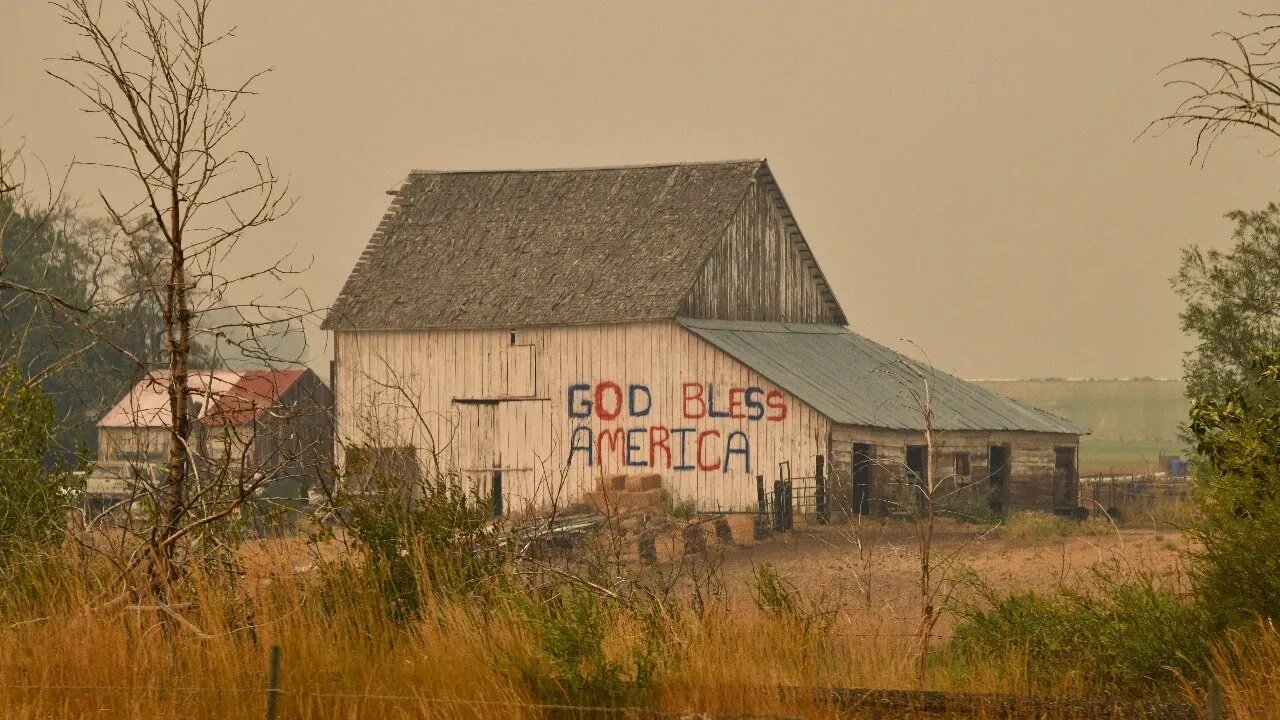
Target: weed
{"points": [[781, 599]]}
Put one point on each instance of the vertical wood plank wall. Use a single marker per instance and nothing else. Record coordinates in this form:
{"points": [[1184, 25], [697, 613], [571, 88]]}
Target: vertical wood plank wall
{"points": [[757, 271], [399, 388]]}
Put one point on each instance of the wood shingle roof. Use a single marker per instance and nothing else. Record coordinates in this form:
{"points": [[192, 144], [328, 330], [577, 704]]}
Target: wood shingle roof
{"points": [[491, 249]]}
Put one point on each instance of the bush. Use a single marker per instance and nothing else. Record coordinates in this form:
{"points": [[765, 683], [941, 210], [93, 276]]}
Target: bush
{"points": [[1127, 637], [420, 534], [1236, 568], [570, 664], [34, 498], [812, 619], [1032, 525]]}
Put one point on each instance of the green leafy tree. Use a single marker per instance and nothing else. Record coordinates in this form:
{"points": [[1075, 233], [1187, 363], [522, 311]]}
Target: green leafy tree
{"points": [[1236, 568], [1232, 305], [84, 361], [33, 499], [47, 251]]}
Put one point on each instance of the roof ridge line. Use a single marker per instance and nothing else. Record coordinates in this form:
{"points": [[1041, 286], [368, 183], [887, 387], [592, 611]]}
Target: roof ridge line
{"points": [[586, 168]]}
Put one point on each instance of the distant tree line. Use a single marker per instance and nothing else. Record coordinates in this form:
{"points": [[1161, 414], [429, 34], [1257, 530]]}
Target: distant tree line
{"points": [[84, 366]]}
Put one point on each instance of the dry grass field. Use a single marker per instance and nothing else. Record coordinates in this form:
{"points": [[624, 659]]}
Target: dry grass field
{"points": [[64, 652]]}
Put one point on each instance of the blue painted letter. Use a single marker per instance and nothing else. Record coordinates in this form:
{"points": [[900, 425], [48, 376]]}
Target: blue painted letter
{"points": [[579, 407]]}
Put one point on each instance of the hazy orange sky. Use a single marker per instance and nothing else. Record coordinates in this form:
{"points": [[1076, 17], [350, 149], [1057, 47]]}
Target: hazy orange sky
{"points": [[966, 173]]}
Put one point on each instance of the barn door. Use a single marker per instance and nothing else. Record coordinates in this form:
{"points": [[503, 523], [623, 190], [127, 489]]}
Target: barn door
{"points": [[998, 473], [1065, 493], [863, 462], [475, 444], [918, 474]]}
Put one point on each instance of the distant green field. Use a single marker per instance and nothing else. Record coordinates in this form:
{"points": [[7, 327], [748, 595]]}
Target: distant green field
{"points": [[1131, 422]]}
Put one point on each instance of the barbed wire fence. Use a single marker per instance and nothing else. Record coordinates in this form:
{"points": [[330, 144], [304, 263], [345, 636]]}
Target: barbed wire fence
{"points": [[837, 702]]}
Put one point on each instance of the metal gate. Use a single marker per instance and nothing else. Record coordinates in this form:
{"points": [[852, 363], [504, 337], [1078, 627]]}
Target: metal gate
{"points": [[791, 495]]}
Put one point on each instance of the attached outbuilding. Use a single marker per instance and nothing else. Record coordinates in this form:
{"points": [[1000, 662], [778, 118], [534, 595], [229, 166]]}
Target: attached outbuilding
{"points": [[536, 332]]}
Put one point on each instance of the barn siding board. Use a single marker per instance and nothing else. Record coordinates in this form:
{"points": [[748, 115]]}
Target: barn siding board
{"points": [[761, 269], [533, 435]]}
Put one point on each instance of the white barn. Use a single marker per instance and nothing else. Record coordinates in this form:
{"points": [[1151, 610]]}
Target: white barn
{"points": [[560, 326]]}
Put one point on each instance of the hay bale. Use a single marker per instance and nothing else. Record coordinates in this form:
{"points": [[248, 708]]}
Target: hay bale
{"points": [[644, 482]]}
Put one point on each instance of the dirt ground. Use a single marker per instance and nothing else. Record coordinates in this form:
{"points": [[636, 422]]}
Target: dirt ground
{"points": [[873, 569]]}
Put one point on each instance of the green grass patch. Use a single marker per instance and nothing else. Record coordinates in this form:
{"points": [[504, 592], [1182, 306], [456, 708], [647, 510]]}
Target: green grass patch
{"points": [[1131, 422]]}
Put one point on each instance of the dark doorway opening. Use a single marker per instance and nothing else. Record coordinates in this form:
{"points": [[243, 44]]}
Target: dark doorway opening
{"points": [[918, 472], [862, 464], [998, 477], [1066, 493]]}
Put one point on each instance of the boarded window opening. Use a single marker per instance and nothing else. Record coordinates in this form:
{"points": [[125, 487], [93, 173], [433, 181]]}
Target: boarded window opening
{"points": [[961, 464]]}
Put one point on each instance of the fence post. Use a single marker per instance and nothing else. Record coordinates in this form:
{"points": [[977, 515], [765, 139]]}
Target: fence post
{"points": [[779, 498], [1215, 699], [273, 683], [820, 491], [789, 509], [761, 526]]}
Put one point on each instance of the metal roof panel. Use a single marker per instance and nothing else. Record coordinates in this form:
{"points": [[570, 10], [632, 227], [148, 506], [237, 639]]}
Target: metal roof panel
{"points": [[854, 381]]}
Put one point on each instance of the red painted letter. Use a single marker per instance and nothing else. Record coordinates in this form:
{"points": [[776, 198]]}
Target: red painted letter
{"points": [[659, 438], [703, 465], [694, 397], [601, 412], [617, 445], [776, 402]]}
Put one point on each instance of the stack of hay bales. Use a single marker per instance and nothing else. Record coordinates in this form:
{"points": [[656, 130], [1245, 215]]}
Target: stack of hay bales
{"points": [[622, 492]]}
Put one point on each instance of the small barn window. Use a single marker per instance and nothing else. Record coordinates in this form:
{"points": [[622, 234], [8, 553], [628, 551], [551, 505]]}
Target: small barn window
{"points": [[962, 464]]}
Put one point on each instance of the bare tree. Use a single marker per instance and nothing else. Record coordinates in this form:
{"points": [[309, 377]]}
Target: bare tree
{"points": [[927, 494], [170, 128], [1242, 91]]}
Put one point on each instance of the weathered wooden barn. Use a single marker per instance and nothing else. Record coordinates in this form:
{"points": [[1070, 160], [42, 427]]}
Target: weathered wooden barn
{"points": [[275, 422], [555, 327]]}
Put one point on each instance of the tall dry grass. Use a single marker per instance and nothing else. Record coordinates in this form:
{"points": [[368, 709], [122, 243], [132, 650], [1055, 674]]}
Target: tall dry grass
{"points": [[64, 655]]}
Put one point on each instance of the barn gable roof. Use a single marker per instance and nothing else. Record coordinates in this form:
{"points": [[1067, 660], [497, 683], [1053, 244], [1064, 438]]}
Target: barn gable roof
{"points": [[854, 381], [515, 248]]}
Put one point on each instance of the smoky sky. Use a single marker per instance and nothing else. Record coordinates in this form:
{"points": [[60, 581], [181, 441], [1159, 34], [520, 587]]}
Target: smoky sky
{"points": [[968, 174]]}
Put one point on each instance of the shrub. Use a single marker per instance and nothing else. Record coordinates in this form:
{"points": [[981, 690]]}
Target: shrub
{"points": [[420, 534], [969, 511], [570, 663], [1032, 525], [1128, 637], [1236, 568], [34, 498]]}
